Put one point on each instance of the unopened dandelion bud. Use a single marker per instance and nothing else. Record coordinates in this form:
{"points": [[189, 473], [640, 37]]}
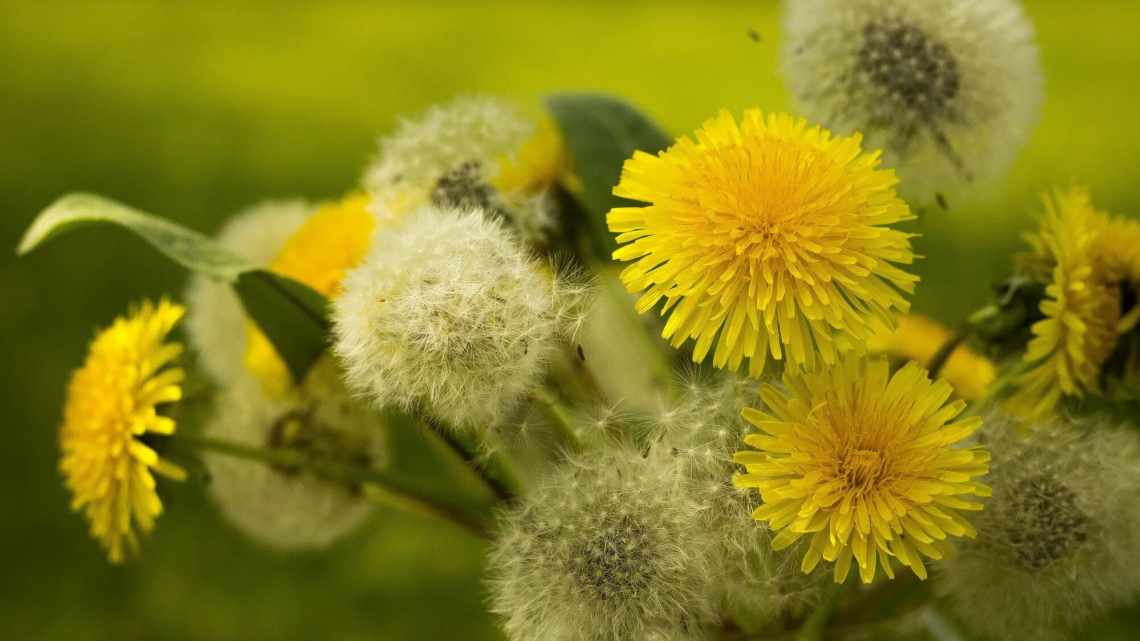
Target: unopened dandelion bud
{"points": [[290, 506], [949, 90], [1059, 541], [607, 548], [216, 323], [447, 315]]}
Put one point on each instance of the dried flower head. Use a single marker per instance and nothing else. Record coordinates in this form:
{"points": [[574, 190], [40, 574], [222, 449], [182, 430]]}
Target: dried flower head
{"points": [[772, 235], [112, 404], [447, 315], [607, 548], [865, 464], [288, 507], [215, 321], [949, 90], [1059, 542]]}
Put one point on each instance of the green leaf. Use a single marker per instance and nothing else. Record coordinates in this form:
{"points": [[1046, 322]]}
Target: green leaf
{"points": [[601, 132], [291, 315], [188, 248]]}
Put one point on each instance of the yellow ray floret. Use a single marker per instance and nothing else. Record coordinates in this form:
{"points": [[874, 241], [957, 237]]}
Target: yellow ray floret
{"points": [[111, 404], [918, 338], [332, 241], [773, 234], [864, 464], [1082, 305]]}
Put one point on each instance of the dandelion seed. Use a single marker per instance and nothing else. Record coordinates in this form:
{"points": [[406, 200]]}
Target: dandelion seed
{"points": [[607, 548], [772, 235], [111, 410], [950, 90], [447, 315], [864, 464], [1058, 542], [285, 507], [215, 321]]}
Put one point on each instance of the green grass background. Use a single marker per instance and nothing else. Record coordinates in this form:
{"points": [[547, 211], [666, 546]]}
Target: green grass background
{"points": [[193, 110]]}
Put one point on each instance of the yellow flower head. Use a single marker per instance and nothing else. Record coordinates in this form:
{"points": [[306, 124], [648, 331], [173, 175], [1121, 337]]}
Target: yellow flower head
{"points": [[863, 463], [332, 241], [772, 233], [1082, 304], [111, 404], [540, 163], [918, 338]]}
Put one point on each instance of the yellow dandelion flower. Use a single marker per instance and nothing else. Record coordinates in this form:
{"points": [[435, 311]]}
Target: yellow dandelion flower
{"points": [[332, 241], [918, 338], [111, 404], [1082, 305], [773, 234], [541, 162], [864, 464]]}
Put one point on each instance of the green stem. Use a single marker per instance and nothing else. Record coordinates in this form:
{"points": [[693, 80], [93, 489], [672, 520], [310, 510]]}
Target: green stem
{"points": [[378, 486], [816, 623], [558, 416], [938, 361], [443, 439]]}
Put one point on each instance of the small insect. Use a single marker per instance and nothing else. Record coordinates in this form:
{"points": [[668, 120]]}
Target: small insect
{"points": [[581, 354], [755, 35], [942, 201]]}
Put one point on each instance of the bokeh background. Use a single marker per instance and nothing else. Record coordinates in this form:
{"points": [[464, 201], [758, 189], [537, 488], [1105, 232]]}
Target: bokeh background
{"points": [[193, 110]]}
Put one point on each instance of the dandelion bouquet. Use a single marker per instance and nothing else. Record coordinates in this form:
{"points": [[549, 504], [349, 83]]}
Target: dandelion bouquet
{"points": [[675, 384]]}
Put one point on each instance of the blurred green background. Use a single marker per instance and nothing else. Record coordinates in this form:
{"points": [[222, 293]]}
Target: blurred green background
{"points": [[193, 110]]}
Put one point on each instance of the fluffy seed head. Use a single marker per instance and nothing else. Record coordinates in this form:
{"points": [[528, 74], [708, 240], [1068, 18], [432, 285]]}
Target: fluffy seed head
{"points": [[950, 90], [703, 429], [447, 315], [285, 507], [1059, 542], [215, 320], [864, 463], [772, 235], [607, 548]]}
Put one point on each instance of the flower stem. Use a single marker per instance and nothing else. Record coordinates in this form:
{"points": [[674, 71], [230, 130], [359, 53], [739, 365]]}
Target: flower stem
{"points": [[558, 416], [377, 486], [938, 361], [816, 623], [494, 469]]}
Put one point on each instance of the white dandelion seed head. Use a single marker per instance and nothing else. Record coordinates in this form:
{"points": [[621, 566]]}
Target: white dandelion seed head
{"points": [[215, 320], [950, 91], [608, 547], [1059, 541], [286, 508], [448, 315], [703, 429], [449, 152]]}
